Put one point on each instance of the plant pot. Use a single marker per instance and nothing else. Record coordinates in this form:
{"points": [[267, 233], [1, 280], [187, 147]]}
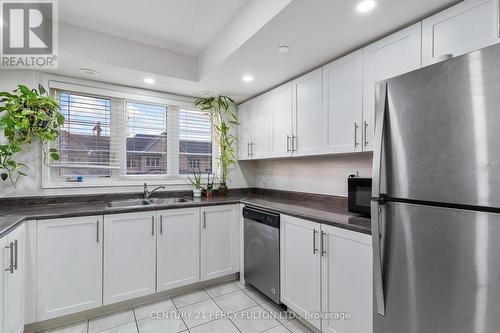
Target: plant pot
{"points": [[222, 189], [197, 193], [209, 194]]}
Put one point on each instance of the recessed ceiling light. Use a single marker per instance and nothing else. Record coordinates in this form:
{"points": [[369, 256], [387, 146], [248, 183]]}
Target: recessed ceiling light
{"points": [[283, 49], [365, 6], [89, 72], [149, 80], [206, 93], [248, 78]]}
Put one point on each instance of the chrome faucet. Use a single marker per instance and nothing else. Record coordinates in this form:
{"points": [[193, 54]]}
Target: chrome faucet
{"points": [[147, 194]]}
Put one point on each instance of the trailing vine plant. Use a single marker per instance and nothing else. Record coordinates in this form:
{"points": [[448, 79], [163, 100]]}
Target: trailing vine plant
{"points": [[222, 111], [24, 115]]}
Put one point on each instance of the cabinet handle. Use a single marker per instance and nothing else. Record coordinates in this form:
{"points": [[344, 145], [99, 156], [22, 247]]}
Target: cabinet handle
{"points": [[251, 149], [314, 241], [152, 225], [97, 231], [16, 255], [323, 234], [356, 134], [365, 128], [294, 143], [161, 224], [288, 150], [204, 220], [11, 264], [248, 149]]}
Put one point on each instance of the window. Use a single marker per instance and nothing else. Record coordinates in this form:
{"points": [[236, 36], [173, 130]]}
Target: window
{"points": [[195, 142], [84, 143], [194, 163], [146, 136], [126, 138]]}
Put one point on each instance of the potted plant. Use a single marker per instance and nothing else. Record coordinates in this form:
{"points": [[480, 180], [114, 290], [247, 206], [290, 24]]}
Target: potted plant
{"points": [[196, 181], [222, 111], [210, 187], [26, 115]]}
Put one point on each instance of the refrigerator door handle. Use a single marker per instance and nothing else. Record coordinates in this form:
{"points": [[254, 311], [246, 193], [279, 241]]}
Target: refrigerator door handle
{"points": [[379, 137], [378, 282]]}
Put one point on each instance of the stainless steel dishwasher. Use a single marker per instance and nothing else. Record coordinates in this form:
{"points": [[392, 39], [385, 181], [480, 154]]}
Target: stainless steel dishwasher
{"points": [[262, 251]]}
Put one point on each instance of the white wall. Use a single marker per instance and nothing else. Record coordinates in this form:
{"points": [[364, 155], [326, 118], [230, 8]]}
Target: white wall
{"points": [[323, 175], [32, 185]]}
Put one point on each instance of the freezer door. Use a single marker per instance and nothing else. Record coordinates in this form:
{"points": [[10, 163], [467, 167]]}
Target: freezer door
{"points": [[441, 139], [440, 269]]}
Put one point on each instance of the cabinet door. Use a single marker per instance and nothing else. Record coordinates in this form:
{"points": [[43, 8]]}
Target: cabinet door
{"points": [[245, 130], [346, 280], [465, 27], [343, 103], [4, 264], [13, 291], [281, 110], [394, 55], [69, 260], [309, 137], [129, 256], [219, 241], [178, 248], [261, 142], [300, 266]]}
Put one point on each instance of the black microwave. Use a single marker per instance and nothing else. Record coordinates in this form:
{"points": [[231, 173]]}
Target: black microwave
{"points": [[359, 195]]}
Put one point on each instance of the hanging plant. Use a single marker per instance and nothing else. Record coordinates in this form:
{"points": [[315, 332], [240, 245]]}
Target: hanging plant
{"points": [[24, 115], [222, 111]]}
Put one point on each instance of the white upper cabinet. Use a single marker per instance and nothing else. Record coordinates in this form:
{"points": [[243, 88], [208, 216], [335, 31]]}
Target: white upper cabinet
{"points": [[219, 241], [280, 103], [129, 256], [465, 27], [343, 103], [261, 142], [69, 260], [13, 281], [394, 55], [346, 268], [309, 130], [300, 266], [178, 248], [245, 130]]}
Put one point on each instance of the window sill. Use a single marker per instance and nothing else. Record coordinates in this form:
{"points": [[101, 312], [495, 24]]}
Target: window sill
{"points": [[129, 181]]}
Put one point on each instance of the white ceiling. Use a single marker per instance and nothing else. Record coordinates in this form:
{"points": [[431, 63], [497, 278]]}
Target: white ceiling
{"points": [[185, 26], [317, 31]]}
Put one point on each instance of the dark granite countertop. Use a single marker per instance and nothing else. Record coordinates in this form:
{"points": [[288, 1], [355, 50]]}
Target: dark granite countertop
{"points": [[317, 208]]}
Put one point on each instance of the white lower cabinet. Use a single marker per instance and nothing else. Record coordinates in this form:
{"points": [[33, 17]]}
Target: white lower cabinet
{"points": [[300, 267], [178, 250], [346, 282], [69, 265], [327, 270], [13, 281], [129, 256], [219, 241], [4, 265]]}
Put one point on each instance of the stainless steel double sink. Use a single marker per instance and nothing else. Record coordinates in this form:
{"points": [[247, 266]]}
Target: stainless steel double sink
{"points": [[146, 202]]}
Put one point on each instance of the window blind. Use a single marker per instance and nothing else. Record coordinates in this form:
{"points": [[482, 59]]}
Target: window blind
{"points": [[146, 139], [195, 142], [84, 142]]}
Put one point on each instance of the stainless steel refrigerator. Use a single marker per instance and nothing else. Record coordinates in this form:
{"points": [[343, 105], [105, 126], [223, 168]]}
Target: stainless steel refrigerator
{"points": [[436, 198]]}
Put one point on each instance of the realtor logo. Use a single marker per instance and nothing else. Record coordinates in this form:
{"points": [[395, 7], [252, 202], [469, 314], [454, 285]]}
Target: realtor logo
{"points": [[29, 34]]}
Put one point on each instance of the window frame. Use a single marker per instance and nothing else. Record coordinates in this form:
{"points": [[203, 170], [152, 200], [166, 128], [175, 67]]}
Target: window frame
{"points": [[173, 103]]}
